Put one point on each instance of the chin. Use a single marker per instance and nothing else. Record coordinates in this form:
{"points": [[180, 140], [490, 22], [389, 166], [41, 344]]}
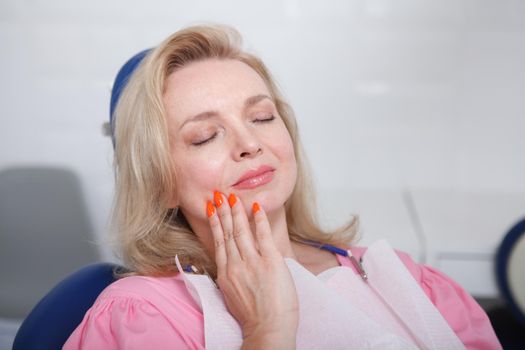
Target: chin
{"points": [[271, 197], [270, 200]]}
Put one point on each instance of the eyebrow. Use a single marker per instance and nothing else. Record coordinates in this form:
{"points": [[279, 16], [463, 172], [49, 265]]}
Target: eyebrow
{"points": [[250, 101]]}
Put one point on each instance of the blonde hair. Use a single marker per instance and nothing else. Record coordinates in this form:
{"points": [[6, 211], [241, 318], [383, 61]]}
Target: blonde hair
{"points": [[149, 232]]}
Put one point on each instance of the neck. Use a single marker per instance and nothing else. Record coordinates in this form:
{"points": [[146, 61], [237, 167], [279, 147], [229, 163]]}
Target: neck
{"points": [[313, 259], [280, 233]]}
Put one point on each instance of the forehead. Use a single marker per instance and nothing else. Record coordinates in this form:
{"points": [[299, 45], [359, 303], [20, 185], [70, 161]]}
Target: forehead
{"points": [[214, 84]]}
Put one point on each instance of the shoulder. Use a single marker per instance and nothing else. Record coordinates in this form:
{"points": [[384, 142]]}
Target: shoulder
{"points": [[139, 311], [166, 296], [431, 280], [416, 270], [463, 314], [148, 288]]}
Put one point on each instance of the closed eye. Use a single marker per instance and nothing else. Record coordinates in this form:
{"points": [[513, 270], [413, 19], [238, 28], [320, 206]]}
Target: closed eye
{"points": [[200, 143], [264, 119]]}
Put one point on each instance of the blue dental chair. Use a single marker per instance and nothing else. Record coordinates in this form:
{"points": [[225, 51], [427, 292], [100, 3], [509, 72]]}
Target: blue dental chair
{"points": [[508, 319], [56, 316]]}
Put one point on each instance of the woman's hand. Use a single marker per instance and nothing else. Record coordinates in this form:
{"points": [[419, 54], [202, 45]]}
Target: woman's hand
{"points": [[252, 275]]}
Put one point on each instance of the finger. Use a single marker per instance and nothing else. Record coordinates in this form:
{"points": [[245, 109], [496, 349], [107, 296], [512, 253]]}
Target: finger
{"points": [[242, 232], [263, 232], [226, 221], [218, 237]]}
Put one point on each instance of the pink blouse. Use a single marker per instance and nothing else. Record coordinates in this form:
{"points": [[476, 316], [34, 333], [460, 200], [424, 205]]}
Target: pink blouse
{"points": [[158, 313]]}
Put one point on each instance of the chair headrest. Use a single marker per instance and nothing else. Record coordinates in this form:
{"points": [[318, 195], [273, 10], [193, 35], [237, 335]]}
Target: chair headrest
{"points": [[121, 80]]}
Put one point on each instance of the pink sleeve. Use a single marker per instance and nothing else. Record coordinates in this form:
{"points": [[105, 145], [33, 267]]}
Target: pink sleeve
{"points": [[127, 323], [460, 310]]}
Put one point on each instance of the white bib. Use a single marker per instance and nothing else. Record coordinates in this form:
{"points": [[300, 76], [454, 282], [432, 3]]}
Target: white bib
{"points": [[337, 309]]}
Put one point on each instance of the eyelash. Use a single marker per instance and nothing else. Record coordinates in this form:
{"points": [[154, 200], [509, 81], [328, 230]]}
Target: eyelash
{"points": [[266, 119], [200, 143], [263, 120]]}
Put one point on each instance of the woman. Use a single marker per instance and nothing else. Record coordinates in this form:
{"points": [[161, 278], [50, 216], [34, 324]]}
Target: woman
{"points": [[210, 178]]}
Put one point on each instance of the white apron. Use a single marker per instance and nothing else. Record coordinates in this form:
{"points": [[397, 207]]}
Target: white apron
{"points": [[337, 309]]}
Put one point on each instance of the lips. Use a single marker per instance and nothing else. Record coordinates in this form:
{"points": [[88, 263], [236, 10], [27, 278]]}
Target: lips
{"points": [[255, 178]]}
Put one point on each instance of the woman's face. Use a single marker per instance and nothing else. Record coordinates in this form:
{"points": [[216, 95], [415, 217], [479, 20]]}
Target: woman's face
{"points": [[226, 135]]}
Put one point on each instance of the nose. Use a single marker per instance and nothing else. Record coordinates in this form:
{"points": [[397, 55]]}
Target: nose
{"points": [[247, 145]]}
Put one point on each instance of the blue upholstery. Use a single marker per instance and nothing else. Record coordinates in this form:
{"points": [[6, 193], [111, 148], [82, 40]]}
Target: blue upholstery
{"points": [[502, 261], [120, 83], [56, 316]]}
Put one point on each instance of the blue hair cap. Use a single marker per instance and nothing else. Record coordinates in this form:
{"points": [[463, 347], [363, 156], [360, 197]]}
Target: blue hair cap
{"points": [[121, 80]]}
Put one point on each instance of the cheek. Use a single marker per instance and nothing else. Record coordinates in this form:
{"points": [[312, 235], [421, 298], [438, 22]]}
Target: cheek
{"points": [[284, 149], [197, 177], [287, 154]]}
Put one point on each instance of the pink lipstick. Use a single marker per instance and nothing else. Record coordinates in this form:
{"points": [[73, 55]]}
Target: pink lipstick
{"points": [[255, 178]]}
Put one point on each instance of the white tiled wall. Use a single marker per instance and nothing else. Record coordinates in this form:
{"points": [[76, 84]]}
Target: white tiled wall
{"points": [[392, 97]]}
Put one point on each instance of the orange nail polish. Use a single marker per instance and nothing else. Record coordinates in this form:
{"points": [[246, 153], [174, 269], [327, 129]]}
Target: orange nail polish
{"points": [[232, 200], [255, 208], [217, 198], [210, 209]]}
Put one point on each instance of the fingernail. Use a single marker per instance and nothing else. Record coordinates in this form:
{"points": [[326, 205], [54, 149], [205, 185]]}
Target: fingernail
{"points": [[255, 208], [217, 198], [210, 209], [232, 200]]}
